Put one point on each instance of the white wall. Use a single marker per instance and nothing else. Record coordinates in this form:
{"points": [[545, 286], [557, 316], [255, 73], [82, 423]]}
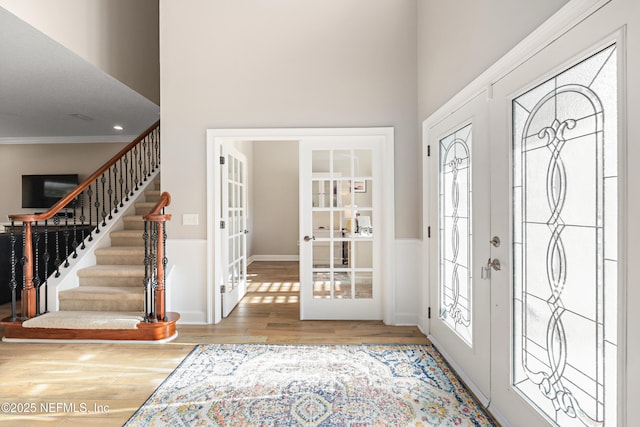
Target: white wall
{"points": [[317, 63], [275, 198], [118, 36], [17, 160], [458, 40]]}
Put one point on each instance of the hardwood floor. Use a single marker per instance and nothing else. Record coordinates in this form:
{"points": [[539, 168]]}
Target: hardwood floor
{"points": [[103, 384]]}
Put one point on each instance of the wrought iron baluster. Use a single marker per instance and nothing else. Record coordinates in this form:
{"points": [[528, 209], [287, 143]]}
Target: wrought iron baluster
{"points": [[154, 269], [126, 176], [45, 258], [13, 284], [65, 234], [103, 180], [165, 261], [134, 169], [147, 277], [57, 261], [74, 242], [89, 195], [82, 220], [110, 192], [36, 269], [23, 261], [144, 158], [96, 204]]}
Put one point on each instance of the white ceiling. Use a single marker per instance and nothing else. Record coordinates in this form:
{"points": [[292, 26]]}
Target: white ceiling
{"points": [[44, 86]]}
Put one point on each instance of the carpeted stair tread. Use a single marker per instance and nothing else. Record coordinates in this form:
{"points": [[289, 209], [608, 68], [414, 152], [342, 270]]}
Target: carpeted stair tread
{"points": [[86, 320]]}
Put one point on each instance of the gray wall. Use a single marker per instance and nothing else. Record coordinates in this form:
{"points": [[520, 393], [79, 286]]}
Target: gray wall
{"points": [[288, 63], [458, 40], [118, 36], [18, 160], [275, 198]]}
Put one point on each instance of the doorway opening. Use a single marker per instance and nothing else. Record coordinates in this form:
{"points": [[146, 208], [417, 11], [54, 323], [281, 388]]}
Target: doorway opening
{"points": [[286, 228]]}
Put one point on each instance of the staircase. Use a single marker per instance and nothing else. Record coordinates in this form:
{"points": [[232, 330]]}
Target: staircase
{"points": [[111, 301]]}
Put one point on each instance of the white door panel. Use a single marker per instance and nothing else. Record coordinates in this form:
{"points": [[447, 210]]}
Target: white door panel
{"points": [[340, 246], [234, 240], [555, 200], [460, 285]]}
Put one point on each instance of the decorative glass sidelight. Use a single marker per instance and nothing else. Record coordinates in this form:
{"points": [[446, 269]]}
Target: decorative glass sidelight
{"points": [[565, 243], [455, 232]]}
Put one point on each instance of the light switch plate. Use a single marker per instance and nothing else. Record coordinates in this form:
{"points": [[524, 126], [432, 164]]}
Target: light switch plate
{"points": [[190, 219]]}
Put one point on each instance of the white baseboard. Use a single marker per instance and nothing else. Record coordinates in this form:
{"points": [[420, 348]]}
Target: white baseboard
{"points": [[253, 258], [405, 319]]}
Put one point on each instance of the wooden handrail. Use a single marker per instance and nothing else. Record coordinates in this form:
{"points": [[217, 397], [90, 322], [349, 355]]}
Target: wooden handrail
{"points": [[55, 209], [154, 214]]}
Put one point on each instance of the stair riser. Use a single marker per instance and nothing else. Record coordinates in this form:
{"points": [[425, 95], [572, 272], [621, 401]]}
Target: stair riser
{"points": [[119, 259], [143, 210], [102, 305], [123, 281], [134, 225], [151, 197], [127, 241]]}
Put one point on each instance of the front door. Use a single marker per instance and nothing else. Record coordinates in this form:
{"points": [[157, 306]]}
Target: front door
{"points": [[460, 281], [340, 228], [555, 207], [234, 231]]}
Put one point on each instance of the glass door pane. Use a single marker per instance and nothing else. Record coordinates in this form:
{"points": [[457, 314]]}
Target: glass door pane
{"points": [[564, 243]]}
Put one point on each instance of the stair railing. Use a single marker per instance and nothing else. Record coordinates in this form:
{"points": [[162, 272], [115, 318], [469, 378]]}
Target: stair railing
{"points": [[155, 260], [48, 239]]}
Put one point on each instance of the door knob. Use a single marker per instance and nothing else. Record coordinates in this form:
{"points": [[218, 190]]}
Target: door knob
{"points": [[307, 238], [494, 263]]}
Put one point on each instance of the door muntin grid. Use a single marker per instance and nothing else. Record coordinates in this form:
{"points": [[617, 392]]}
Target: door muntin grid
{"points": [[235, 223], [564, 243], [455, 278], [342, 218]]}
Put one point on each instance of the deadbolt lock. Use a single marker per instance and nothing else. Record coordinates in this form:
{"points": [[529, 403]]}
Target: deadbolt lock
{"points": [[495, 242]]}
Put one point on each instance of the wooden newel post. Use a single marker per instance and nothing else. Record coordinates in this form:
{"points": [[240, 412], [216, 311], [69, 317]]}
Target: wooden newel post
{"points": [[29, 291], [159, 296]]}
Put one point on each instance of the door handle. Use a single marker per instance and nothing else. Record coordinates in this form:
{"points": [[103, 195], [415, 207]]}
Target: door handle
{"points": [[307, 238], [494, 264]]}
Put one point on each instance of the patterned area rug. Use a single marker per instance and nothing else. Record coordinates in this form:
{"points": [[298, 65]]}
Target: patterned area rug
{"points": [[312, 385]]}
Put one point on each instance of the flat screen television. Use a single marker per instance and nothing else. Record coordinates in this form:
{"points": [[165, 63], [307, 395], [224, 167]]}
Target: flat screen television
{"points": [[43, 191]]}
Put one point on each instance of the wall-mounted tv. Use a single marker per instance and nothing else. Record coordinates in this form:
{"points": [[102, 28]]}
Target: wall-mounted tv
{"points": [[43, 191]]}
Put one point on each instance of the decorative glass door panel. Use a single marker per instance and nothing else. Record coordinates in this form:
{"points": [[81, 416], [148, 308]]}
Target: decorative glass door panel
{"points": [[339, 240], [459, 291], [455, 284], [564, 196]]}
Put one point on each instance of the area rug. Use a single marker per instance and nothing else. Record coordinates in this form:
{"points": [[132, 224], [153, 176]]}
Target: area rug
{"points": [[312, 385]]}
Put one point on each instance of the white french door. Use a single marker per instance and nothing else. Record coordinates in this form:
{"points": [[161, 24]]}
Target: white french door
{"points": [[234, 231], [340, 228], [460, 208]]}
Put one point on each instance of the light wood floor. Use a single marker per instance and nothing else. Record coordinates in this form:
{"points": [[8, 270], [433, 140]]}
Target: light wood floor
{"points": [[103, 384]]}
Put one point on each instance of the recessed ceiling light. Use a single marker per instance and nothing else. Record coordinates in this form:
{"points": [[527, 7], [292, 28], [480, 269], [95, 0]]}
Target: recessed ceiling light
{"points": [[118, 127]]}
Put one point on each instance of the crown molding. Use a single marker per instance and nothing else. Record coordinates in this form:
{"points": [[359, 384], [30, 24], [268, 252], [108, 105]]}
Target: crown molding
{"points": [[67, 139]]}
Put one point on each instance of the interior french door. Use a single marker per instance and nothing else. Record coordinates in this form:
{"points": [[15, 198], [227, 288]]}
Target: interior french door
{"points": [[234, 239], [555, 198], [340, 238], [459, 244]]}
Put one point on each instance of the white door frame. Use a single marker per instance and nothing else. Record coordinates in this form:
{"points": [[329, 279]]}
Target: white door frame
{"points": [[215, 139]]}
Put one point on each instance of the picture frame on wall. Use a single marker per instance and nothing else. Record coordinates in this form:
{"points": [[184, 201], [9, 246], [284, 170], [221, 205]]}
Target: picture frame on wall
{"points": [[359, 186]]}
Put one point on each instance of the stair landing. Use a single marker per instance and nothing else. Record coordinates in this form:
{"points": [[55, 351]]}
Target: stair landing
{"points": [[143, 331]]}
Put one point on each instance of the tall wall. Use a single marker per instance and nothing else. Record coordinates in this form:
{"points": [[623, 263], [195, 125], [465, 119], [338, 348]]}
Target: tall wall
{"points": [[118, 36], [26, 159], [458, 40], [317, 63]]}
